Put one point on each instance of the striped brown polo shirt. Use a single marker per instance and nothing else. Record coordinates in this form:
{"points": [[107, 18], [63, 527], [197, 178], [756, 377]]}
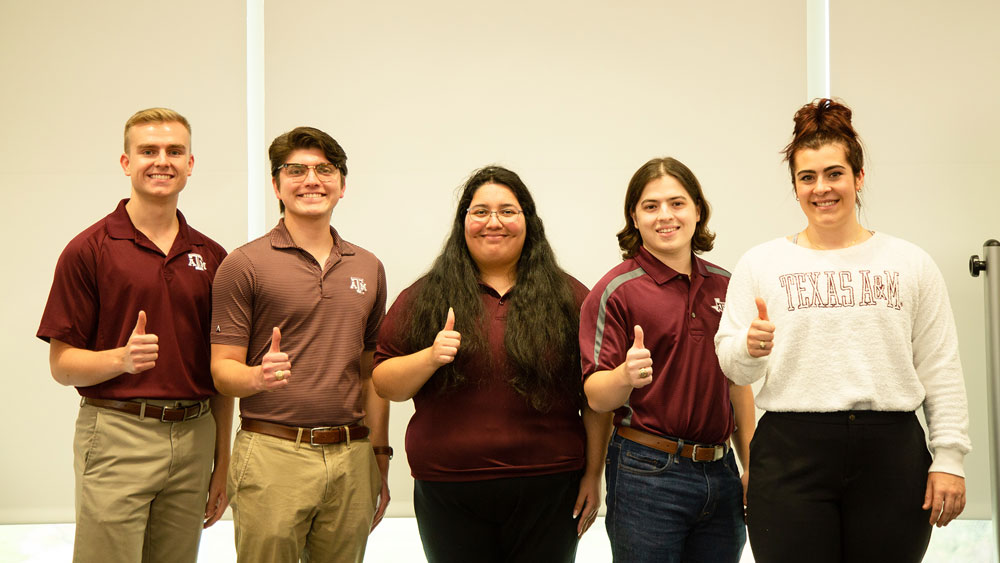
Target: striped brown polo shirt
{"points": [[327, 316]]}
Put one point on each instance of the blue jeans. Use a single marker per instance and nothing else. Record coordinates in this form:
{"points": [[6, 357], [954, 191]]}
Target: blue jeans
{"points": [[667, 508]]}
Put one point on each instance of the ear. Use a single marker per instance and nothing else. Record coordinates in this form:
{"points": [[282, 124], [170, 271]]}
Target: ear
{"points": [[190, 164], [698, 218], [633, 220], [124, 162], [343, 186], [859, 180], [274, 184]]}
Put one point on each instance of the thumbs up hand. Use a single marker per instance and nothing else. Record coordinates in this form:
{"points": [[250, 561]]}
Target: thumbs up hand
{"points": [[140, 352], [760, 336], [446, 343], [275, 369], [638, 366]]}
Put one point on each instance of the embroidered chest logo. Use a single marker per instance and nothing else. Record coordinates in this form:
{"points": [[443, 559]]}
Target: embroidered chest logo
{"points": [[358, 284], [197, 262], [719, 306]]}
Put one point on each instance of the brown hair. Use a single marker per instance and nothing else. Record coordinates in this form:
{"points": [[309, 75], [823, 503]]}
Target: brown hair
{"points": [[155, 115], [823, 122], [629, 239], [305, 138]]}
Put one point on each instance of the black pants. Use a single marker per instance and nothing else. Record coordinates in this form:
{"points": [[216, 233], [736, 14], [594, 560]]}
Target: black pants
{"points": [[838, 487], [523, 519]]}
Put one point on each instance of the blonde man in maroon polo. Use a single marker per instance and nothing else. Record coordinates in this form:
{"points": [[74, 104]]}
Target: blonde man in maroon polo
{"points": [[295, 316], [127, 321]]}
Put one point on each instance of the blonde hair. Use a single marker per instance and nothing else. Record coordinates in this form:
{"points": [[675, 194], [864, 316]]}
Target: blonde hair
{"points": [[154, 115]]}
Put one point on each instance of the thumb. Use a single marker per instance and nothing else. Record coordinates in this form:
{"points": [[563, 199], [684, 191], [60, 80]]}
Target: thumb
{"points": [[140, 324], [275, 340], [449, 324], [638, 338], [761, 309]]}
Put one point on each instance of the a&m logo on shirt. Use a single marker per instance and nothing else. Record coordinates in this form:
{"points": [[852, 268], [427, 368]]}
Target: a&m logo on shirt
{"points": [[719, 305], [196, 261], [358, 284]]}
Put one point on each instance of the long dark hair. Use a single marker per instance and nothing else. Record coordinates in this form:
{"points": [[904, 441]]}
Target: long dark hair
{"points": [[541, 337]]}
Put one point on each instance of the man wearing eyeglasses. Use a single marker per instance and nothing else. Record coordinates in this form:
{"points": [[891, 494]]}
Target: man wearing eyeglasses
{"points": [[127, 321], [295, 316]]}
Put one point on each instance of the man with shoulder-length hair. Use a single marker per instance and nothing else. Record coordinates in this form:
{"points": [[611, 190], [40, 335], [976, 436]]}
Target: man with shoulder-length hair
{"points": [[295, 316], [127, 322]]}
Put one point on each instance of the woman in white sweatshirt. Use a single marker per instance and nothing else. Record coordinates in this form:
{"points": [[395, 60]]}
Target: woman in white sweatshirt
{"points": [[852, 331]]}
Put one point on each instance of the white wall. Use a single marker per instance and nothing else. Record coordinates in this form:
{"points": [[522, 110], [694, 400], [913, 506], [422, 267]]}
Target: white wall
{"points": [[574, 97]]}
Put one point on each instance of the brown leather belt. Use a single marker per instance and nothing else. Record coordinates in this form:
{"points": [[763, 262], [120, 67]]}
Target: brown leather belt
{"points": [[143, 409], [696, 452], [318, 436]]}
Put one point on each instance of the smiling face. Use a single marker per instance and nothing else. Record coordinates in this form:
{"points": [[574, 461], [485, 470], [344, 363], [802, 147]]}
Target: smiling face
{"points": [[826, 186], [158, 160], [312, 195], [494, 243], [666, 218]]}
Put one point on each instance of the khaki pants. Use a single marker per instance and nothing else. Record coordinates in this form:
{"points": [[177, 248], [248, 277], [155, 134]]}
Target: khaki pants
{"points": [[141, 486], [296, 500]]}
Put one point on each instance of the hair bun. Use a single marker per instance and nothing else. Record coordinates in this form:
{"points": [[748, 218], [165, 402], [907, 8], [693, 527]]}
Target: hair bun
{"points": [[824, 121]]}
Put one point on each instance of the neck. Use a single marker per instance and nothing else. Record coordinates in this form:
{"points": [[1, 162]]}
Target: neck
{"points": [[155, 219], [312, 234], [835, 237], [680, 263], [499, 277]]}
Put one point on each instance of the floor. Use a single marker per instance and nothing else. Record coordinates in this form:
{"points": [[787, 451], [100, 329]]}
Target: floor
{"points": [[396, 540]]}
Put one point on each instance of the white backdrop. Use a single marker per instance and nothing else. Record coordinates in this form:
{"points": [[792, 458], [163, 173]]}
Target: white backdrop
{"points": [[574, 97]]}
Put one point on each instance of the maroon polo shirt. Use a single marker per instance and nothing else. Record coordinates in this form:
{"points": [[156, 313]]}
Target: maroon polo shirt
{"points": [[484, 429], [111, 271], [679, 316]]}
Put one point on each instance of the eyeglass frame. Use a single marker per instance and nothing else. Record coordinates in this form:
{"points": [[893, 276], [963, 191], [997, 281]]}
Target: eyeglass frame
{"points": [[309, 167], [493, 213]]}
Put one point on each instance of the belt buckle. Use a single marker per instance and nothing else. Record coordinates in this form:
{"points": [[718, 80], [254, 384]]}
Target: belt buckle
{"points": [[312, 431], [163, 414], [717, 453]]}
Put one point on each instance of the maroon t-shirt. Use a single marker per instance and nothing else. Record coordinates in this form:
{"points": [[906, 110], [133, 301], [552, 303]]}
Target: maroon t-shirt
{"points": [[484, 429], [679, 316], [111, 271]]}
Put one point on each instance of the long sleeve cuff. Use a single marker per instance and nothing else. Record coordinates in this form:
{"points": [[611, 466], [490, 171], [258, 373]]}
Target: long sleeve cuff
{"points": [[948, 461]]}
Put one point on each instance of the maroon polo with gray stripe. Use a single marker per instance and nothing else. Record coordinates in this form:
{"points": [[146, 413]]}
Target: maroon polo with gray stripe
{"points": [[111, 271], [327, 315], [679, 316]]}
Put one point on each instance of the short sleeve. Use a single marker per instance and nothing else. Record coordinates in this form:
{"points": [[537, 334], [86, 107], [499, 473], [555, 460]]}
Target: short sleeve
{"points": [[232, 300], [377, 314], [390, 334], [71, 312]]}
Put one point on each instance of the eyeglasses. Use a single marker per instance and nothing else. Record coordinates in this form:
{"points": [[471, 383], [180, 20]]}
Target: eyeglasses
{"points": [[482, 215], [295, 170]]}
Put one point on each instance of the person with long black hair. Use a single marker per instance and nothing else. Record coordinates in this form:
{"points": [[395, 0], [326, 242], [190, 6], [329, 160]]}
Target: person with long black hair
{"points": [[506, 456], [851, 331]]}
